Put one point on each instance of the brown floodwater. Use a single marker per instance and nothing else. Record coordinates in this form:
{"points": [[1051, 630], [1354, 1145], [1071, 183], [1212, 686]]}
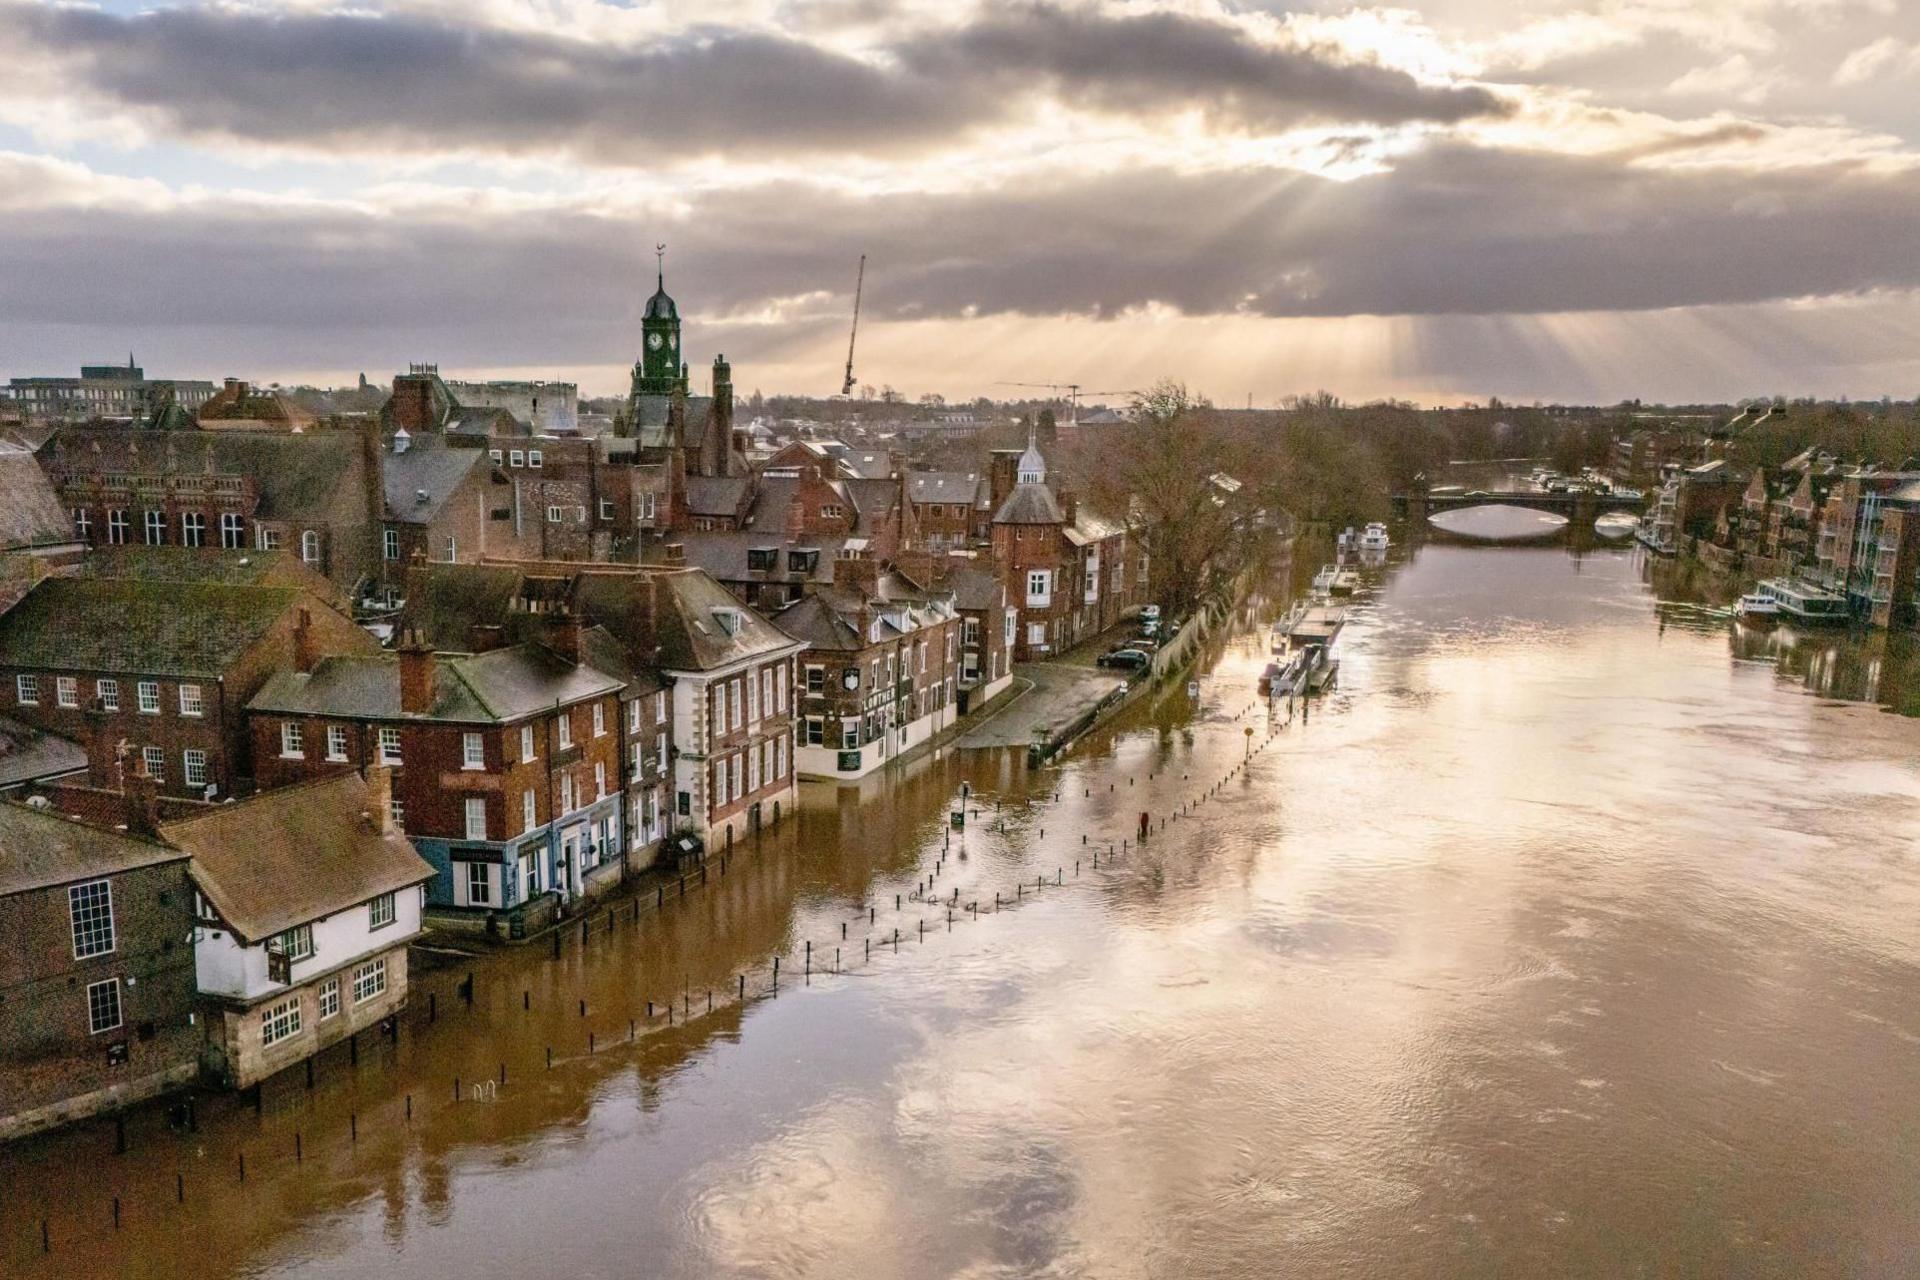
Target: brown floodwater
{"points": [[1569, 935]]}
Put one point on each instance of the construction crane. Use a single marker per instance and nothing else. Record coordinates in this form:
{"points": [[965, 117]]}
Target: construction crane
{"points": [[1074, 392], [859, 282]]}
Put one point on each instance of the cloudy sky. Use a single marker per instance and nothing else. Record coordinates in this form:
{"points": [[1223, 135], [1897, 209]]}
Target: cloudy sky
{"points": [[1440, 200]]}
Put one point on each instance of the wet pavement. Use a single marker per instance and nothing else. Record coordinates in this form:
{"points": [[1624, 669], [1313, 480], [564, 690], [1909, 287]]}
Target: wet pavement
{"points": [[1558, 940]]}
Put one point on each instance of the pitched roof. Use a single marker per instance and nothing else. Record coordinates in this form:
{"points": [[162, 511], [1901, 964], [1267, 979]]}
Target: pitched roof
{"points": [[28, 754], [205, 564], [819, 625], [497, 687], [294, 855], [689, 633], [723, 553], [297, 474], [716, 495], [139, 627], [973, 588], [1029, 504], [30, 510], [40, 849], [945, 486], [419, 481]]}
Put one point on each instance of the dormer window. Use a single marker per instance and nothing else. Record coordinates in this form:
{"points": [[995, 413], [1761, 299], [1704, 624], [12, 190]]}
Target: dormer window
{"points": [[728, 621], [763, 559]]}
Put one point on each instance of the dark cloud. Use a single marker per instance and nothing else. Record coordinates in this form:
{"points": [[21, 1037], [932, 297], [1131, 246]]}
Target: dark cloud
{"points": [[1451, 231], [412, 83]]}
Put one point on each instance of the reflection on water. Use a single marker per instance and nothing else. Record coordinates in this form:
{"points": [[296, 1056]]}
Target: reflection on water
{"points": [[1498, 523], [1557, 941]]}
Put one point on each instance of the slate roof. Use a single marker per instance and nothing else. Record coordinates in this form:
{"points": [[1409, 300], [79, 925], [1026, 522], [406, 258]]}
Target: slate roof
{"points": [[1029, 504], [816, 623], [40, 849], [432, 467], [497, 687], [201, 564], [294, 855], [723, 553], [716, 495], [973, 588], [139, 627], [30, 510], [651, 427], [872, 499], [946, 486], [28, 754], [691, 639], [297, 474]]}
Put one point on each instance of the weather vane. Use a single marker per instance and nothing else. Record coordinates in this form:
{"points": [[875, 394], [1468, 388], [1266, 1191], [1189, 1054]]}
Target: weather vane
{"points": [[660, 263]]}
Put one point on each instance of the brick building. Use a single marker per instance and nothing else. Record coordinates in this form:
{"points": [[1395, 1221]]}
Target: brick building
{"points": [[880, 672], [437, 502], [506, 764], [318, 495], [164, 669], [96, 967]]}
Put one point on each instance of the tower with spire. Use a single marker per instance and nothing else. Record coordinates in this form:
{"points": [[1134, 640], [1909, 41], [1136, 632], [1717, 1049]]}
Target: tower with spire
{"points": [[659, 370]]}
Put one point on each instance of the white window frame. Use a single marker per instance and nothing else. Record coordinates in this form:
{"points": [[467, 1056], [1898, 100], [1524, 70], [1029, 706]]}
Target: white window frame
{"points": [[193, 767], [148, 693], [337, 743], [381, 912], [109, 988], [193, 529], [563, 728], [527, 751], [26, 689], [66, 691], [390, 544], [155, 761], [108, 691], [90, 919], [191, 702], [293, 744], [310, 547], [329, 998], [389, 745], [599, 720], [474, 811], [473, 751], [529, 811], [233, 531], [280, 1021], [483, 884]]}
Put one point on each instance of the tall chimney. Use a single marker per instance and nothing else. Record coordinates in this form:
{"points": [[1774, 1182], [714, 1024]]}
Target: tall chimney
{"points": [[304, 655], [565, 635], [416, 675], [380, 798]]}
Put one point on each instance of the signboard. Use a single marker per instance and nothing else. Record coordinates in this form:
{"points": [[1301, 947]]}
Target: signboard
{"points": [[849, 762], [279, 967]]}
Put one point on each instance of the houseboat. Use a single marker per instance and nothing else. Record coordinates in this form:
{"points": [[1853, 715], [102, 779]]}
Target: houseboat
{"points": [[1795, 602]]}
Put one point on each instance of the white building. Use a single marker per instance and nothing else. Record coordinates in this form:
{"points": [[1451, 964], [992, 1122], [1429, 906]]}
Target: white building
{"points": [[306, 900]]}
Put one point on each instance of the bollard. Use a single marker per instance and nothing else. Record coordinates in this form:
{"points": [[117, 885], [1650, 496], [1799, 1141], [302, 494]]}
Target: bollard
{"points": [[243, 1166], [709, 999], [503, 1073], [631, 1028], [456, 1088], [660, 899], [843, 931], [193, 1116], [809, 959], [869, 948], [743, 988], [353, 1126], [923, 930], [583, 930], [116, 1213], [896, 941], [179, 1188], [590, 1044], [869, 915], [896, 902], [299, 1155], [549, 1057], [583, 1008], [410, 1096], [526, 999], [836, 959]]}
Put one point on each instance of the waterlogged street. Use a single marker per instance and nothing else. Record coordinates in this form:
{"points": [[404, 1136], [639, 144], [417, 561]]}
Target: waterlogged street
{"points": [[1560, 939]]}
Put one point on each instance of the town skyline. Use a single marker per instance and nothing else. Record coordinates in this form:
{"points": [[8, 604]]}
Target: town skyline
{"points": [[1576, 203]]}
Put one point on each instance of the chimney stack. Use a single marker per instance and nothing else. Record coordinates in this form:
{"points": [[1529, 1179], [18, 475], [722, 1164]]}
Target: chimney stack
{"points": [[565, 635], [857, 573], [143, 803], [380, 798], [304, 655], [416, 674], [485, 637]]}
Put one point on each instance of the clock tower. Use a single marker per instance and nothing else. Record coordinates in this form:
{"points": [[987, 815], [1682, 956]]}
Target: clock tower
{"points": [[658, 371]]}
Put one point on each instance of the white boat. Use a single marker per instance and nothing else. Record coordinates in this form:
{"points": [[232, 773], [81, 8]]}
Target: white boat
{"points": [[1323, 580], [1755, 607], [1799, 602], [1375, 538]]}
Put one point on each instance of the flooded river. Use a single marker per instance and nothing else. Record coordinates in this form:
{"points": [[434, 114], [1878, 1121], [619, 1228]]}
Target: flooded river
{"points": [[1565, 937]]}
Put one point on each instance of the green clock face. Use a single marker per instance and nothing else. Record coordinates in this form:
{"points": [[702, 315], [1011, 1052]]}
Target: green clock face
{"points": [[653, 341]]}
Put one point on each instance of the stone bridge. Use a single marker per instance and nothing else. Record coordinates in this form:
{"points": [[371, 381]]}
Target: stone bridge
{"points": [[1579, 509]]}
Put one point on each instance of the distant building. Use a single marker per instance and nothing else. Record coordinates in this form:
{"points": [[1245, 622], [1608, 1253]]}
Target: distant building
{"points": [[105, 391], [547, 408], [241, 406]]}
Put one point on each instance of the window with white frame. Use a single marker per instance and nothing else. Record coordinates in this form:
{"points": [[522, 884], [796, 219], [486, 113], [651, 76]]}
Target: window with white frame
{"points": [[599, 719], [636, 760], [193, 765], [719, 783], [453, 549], [527, 811], [295, 943], [479, 884], [753, 699], [660, 708], [553, 515], [82, 524], [156, 528], [633, 716], [369, 980], [564, 728], [473, 751], [278, 1022], [766, 689], [336, 742], [1037, 634], [599, 779], [849, 733], [292, 740], [116, 528], [739, 775], [720, 706], [108, 691], [191, 703], [816, 678], [518, 458], [155, 760], [26, 689], [780, 757], [329, 998], [380, 912], [266, 539], [753, 770], [103, 1006], [193, 529], [90, 913], [66, 691], [533, 457], [310, 547], [606, 508], [148, 692], [390, 544], [660, 752], [816, 731], [389, 745], [476, 813], [397, 810], [737, 708], [233, 533]]}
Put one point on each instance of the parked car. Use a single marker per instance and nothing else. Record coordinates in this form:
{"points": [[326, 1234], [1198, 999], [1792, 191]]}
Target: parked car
{"points": [[1144, 643], [1127, 659]]}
